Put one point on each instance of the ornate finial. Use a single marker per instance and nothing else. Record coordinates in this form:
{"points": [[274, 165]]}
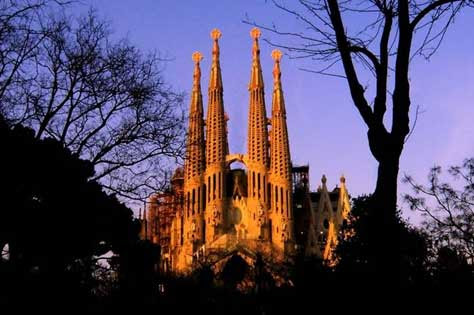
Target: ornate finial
{"points": [[256, 78], [255, 33], [343, 179], [276, 55], [323, 179], [216, 34], [197, 57], [215, 80]]}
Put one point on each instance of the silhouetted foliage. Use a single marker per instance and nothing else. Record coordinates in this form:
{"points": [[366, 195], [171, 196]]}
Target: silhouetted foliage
{"points": [[103, 99], [451, 270], [310, 274], [137, 272], [205, 276], [22, 30], [56, 221], [234, 271], [448, 208], [264, 281], [448, 212], [358, 248]]}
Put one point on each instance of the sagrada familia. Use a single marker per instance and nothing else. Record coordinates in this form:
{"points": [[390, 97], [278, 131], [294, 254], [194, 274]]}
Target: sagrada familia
{"points": [[212, 212]]}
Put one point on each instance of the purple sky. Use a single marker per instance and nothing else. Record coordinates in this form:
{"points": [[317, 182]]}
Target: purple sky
{"points": [[325, 129]]}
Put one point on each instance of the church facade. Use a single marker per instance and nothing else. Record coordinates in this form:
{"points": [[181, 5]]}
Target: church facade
{"points": [[212, 211]]}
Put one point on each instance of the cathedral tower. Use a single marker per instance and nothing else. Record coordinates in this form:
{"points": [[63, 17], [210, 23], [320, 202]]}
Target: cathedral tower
{"points": [[213, 213], [257, 144], [194, 165], [280, 164], [216, 148]]}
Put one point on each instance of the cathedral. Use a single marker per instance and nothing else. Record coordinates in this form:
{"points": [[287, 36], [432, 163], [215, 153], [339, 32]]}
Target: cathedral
{"points": [[212, 212]]}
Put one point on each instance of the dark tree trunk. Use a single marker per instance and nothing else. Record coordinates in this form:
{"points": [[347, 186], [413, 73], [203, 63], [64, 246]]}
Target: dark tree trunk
{"points": [[385, 194], [387, 150], [387, 153]]}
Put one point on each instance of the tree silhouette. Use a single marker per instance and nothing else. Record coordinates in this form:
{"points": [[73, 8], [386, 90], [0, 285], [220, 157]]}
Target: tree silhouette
{"points": [[234, 271], [452, 269], [448, 210], [384, 44], [22, 31], [358, 248], [103, 99], [56, 221]]}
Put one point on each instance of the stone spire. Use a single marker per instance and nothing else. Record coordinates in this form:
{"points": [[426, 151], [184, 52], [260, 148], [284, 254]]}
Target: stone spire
{"points": [[280, 150], [195, 159], [216, 147], [215, 79], [257, 122], [256, 78], [216, 134], [194, 165], [257, 141], [280, 164]]}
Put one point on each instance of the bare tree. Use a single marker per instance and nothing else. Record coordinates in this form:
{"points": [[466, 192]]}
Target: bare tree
{"points": [[448, 210], [21, 33], [380, 37], [104, 100]]}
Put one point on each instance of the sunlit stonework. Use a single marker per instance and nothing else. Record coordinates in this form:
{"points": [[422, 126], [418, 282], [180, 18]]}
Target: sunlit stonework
{"points": [[197, 57], [213, 211], [215, 34], [276, 55], [255, 33]]}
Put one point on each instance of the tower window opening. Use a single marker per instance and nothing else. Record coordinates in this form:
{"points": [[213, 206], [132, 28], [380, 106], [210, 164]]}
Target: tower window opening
{"points": [[199, 200], [288, 203], [264, 189], [187, 204], [204, 198], [281, 198], [258, 176], [193, 201], [219, 180], [213, 186], [269, 194], [253, 184], [249, 186], [208, 189]]}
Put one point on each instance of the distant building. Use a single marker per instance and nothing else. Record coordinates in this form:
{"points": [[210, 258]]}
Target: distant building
{"points": [[212, 212]]}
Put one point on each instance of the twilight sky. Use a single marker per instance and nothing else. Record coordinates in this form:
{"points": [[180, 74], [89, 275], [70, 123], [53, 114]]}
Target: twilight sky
{"points": [[325, 129]]}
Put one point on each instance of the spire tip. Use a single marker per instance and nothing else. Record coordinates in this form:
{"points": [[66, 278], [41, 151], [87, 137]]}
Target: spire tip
{"points": [[343, 179], [255, 33], [276, 55], [216, 34], [197, 56]]}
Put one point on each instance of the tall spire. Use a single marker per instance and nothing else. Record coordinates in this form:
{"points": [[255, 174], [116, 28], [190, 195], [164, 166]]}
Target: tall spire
{"points": [[280, 165], [216, 147], [215, 80], [280, 150], [216, 134], [257, 123], [256, 79], [194, 164], [257, 143]]}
